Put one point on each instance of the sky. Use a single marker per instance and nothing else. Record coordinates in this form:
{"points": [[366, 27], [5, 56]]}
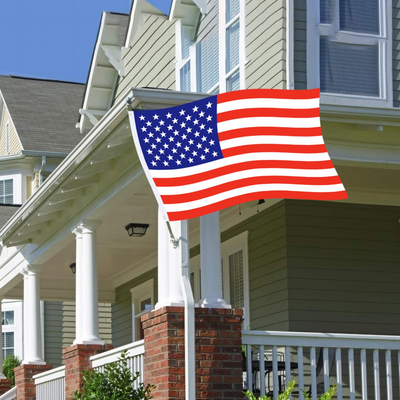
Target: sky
{"points": [[54, 39]]}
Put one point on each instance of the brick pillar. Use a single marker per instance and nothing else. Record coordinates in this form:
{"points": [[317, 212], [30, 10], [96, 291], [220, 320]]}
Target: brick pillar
{"points": [[26, 389], [218, 353], [77, 359], [5, 386]]}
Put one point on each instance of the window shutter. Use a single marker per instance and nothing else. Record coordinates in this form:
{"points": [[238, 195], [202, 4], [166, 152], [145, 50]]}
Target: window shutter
{"points": [[359, 16], [236, 279], [208, 55], [8, 191]]}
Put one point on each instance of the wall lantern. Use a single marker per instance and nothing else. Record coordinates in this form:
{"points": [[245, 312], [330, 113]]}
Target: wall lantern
{"points": [[73, 267], [136, 230]]}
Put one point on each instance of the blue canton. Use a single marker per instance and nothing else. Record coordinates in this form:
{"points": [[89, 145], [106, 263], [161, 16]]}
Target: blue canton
{"points": [[179, 137]]}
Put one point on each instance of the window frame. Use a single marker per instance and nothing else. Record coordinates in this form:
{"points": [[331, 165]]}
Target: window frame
{"points": [[138, 294], [15, 186], [16, 328], [384, 40]]}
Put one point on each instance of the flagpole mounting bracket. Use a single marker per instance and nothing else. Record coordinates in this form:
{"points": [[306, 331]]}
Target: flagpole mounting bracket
{"points": [[174, 240]]}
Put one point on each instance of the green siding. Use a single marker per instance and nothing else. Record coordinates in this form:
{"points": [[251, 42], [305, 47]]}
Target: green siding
{"points": [[343, 267], [59, 328], [300, 38], [122, 309], [265, 44], [396, 53]]}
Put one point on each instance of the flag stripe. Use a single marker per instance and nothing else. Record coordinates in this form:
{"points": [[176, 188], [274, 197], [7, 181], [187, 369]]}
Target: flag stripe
{"points": [[267, 112], [257, 157], [266, 131], [287, 168], [268, 94], [285, 140], [182, 194], [233, 201], [251, 189], [274, 149], [258, 122]]}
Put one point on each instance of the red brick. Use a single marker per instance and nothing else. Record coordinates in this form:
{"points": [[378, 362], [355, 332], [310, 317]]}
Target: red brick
{"points": [[26, 389]]}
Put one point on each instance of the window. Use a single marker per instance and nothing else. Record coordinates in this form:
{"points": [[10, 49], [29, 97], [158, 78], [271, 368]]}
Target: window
{"points": [[7, 317], [215, 62], [349, 51], [8, 344], [142, 303], [6, 191]]}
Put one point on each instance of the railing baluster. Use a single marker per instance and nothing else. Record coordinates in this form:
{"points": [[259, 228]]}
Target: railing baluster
{"points": [[262, 371], [249, 369], [364, 383], [388, 357], [287, 365], [301, 372], [339, 377], [352, 385], [326, 368], [275, 370], [313, 374], [377, 385]]}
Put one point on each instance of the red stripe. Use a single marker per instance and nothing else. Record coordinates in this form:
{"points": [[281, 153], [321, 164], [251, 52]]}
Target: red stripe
{"points": [[202, 176], [243, 183], [267, 112], [274, 148], [198, 212], [268, 131], [268, 93]]}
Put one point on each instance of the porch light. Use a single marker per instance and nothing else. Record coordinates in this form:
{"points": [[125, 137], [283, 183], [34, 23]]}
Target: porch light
{"points": [[136, 230], [73, 267]]}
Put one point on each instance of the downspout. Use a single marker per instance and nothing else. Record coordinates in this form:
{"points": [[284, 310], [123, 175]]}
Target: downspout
{"points": [[290, 44], [41, 170]]}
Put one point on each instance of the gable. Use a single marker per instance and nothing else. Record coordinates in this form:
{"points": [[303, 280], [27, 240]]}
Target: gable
{"points": [[9, 140]]}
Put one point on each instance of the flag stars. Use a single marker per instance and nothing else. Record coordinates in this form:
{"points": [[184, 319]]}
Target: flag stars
{"points": [[191, 141], [184, 137], [209, 118], [215, 154], [182, 112], [178, 144], [176, 133], [154, 164], [206, 150], [151, 134], [188, 117], [153, 146], [158, 140], [146, 140], [209, 130], [165, 163], [190, 160], [174, 150], [157, 158], [201, 114], [199, 145], [188, 130], [202, 126], [161, 151], [211, 142], [186, 148], [142, 118], [157, 129], [194, 153], [182, 155], [195, 122], [149, 151], [203, 157], [155, 116], [165, 146], [203, 138], [163, 134], [148, 123], [169, 115], [170, 127], [162, 123], [178, 162], [170, 157], [144, 129], [197, 134], [209, 104], [183, 125], [195, 109], [171, 139], [174, 121]]}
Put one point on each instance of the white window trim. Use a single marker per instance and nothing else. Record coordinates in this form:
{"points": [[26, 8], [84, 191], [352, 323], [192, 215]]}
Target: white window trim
{"points": [[140, 293], [223, 76], [229, 247], [314, 31], [17, 187], [17, 328]]}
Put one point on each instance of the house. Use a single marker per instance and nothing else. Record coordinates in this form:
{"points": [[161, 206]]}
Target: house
{"points": [[317, 281], [35, 138]]}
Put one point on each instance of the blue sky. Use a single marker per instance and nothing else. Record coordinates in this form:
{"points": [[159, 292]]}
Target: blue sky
{"points": [[51, 38]]}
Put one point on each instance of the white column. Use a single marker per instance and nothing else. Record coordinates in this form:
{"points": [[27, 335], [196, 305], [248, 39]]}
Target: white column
{"points": [[33, 326], [90, 296], [25, 314], [210, 262], [2, 376], [175, 266], [78, 286], [163, 272]]}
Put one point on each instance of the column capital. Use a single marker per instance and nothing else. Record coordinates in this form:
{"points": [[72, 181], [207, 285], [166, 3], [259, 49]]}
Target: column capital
{"points": [[89, 226], [77, 232], [31, 270]]}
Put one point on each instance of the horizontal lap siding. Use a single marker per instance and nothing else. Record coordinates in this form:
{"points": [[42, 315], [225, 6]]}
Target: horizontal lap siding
{"points": [[150, 61], [267, 267], [396, 53], [59, 328], [343, 268], [122, 309], [300, 37], [265, 44]]}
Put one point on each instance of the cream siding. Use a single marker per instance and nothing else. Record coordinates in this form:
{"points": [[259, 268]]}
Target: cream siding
{"points": [[59, 328], [15, 144], [396, 53], [265, 44]]}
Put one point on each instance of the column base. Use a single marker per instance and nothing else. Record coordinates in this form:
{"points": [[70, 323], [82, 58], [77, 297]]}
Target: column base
{"points": [[77, 359], [37, 362], [5, 385], [26, 389], [214, 303], [218, 353], [89, 342]]}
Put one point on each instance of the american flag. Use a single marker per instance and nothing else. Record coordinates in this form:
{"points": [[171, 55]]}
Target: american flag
{"points": [[235, 147]]}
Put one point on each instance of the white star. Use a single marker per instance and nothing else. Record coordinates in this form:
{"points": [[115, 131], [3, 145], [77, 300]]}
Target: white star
{"points": [[199, 145], [209, 118], [184, 137], [211, 142], [191, 142], [163, 134], [206, 150], [161, 151], [144, 129], [201, 114], [202, 126], [171, 139], [188, 130], [157, 128], [183, 155], [209, 130], [148, 123], [197, 134], [194, 153], [178, 144], [151, 134], [153, 146], [209, 104], [153, 163], [187, 148], [176, 133], [170, 157], [146, 140], [149, 151], [158, 140], [178, 162], [188, 118], [195, 108], [182, 112], [156, 116], [169, 115], [174, 150], [196, 121], [165, 146], [142, 118], [170, 127], [166, 163], [174, 121], [203, 157], [215, 154], [190, 160], [203, 138], [157, 157], [162, 122], [183, 125]]}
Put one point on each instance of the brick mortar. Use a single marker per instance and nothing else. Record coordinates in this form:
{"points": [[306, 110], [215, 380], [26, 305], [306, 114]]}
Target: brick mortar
{"points": [[26, 389]]}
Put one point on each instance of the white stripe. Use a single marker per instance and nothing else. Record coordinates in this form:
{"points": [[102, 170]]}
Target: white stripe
{"points": [[177, 207], [297, 104], [247, 140], [270, 122], [234, 176], [178, 173]]}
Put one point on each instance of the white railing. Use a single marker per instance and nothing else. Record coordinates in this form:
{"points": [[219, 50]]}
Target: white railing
{"points": [[10, 395], [50, 384], [360, 365], [135, 356]]}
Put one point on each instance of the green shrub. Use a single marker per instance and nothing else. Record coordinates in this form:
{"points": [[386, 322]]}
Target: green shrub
{"points": [[286, 394], [9, 363], [115, 383]]}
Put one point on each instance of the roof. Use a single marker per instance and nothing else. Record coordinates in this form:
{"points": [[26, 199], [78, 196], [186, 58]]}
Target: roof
{"points": [[6, 212], [44, 112]]}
